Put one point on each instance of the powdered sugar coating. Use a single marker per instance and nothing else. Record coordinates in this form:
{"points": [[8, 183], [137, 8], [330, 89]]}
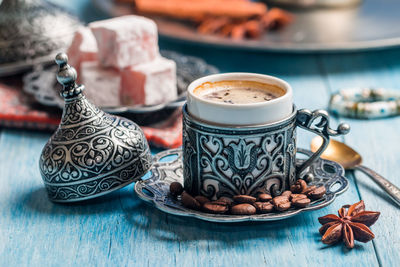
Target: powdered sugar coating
{"points": [[149, 83], [83, 48], [102, 85], [125, 41]]}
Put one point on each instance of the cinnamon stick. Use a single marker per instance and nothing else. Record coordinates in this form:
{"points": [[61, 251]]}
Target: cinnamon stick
{"points": [[199, 9]]}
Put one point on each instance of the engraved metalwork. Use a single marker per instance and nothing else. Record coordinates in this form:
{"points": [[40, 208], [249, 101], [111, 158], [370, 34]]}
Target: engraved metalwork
{"points": [[91, 153], [155, 189], [226, 161], [308, 120], [32, 32], [392, 190]]}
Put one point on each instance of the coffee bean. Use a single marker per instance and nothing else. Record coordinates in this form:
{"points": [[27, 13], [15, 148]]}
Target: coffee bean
{"points": [[264, 197], [299, 186], [308, 189], [202, 199], [281, 203], [189, 202], [219, 202], [263, 207], [279, 200], [244, 199], [283, 206], [216, 208], [286, 193], [297, 196], [227, 200], [317, 193], [301, 202], [243, 209], [175, 188]]}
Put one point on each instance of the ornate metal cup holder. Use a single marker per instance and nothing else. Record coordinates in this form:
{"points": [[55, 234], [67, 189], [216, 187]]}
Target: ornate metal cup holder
{"points": [[155, 189]]}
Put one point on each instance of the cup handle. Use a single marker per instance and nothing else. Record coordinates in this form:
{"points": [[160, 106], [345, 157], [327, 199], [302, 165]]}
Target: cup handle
{"points": [[309, 120]]}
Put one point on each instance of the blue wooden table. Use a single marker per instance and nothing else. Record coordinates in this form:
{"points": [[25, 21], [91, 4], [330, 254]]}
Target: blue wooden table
{"points": [[120, 229]]}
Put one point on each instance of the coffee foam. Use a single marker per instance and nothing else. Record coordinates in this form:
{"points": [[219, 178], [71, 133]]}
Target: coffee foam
{"points": [[209, 87]]}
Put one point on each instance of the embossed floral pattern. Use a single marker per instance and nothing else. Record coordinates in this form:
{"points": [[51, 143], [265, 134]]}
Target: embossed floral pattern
{"points": [[91, 153], [220, 162]]}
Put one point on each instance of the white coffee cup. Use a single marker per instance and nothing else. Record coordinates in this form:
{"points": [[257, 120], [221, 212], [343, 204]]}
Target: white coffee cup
{"points": [[240, 114]]}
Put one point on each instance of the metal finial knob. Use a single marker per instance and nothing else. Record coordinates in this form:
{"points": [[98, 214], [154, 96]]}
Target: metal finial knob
{"points": [[61, 58], [344, 128], [67, 76]]}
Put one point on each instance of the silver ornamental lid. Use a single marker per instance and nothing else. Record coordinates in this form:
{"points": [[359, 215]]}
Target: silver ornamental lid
{"points": [[92, 152], [31, 32]]}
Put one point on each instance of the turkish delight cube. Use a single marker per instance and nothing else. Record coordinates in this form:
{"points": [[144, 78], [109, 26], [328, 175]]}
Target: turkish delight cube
{"points": [[83, 48], [125, 41], [149, 83], [102, 85]]}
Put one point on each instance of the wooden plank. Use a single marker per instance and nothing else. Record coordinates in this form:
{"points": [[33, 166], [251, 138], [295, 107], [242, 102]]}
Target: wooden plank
{"points": [[376, 140]]}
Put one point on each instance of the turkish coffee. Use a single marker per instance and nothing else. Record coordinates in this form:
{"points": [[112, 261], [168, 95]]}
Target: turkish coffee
{"points": [[238, 92]]}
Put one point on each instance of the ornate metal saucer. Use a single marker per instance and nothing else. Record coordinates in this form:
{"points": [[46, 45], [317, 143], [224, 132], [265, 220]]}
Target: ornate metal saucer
{"points": [[32, 32], [155, 189], [92, 153], [42, 84]]}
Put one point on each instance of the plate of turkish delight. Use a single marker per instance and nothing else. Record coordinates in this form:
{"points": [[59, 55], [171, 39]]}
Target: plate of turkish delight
{"points": [[270, 25], [119, 63]]}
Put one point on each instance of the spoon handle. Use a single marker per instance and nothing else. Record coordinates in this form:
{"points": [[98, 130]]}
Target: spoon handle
{"points": [[391, 189]]}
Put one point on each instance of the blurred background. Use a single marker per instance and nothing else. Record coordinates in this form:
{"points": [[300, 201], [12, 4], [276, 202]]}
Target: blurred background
{"points": [[301, 41]]}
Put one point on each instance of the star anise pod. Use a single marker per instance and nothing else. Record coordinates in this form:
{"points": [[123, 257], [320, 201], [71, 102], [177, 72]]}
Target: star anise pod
{"points": [[352, 224]]}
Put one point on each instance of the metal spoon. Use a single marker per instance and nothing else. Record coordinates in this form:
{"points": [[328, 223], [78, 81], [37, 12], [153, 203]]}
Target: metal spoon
{"points": [[350, 159]]}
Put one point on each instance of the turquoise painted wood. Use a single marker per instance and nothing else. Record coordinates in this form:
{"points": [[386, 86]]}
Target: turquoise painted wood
{"points": [[121, 230]]}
